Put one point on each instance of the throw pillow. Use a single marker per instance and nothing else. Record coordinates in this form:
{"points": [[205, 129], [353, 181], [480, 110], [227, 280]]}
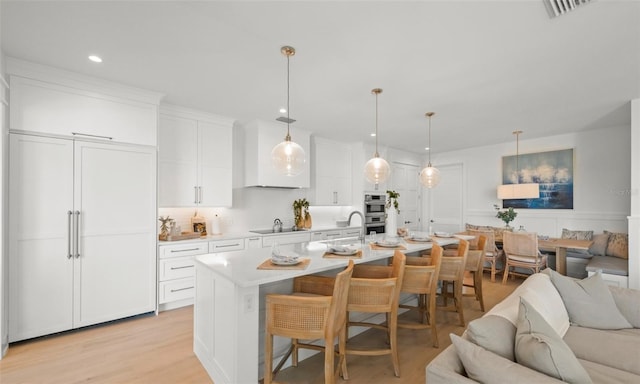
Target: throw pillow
{"points": [[493, 333], [599, 246], [618, 245], [539, 347], [589, 302], [576, 235], [486, 367], [627, 302]]}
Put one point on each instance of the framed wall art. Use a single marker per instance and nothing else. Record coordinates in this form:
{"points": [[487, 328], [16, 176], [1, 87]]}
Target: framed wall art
{"points": [[552, 170]]}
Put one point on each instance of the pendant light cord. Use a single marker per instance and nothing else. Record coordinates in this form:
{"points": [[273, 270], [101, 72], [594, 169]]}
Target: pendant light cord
{"points": [[429, 114], [288, 138], [376, 91], [517, 133]]}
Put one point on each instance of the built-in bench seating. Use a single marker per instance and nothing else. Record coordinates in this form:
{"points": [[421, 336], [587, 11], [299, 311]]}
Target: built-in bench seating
{"points": [[615, 271]]}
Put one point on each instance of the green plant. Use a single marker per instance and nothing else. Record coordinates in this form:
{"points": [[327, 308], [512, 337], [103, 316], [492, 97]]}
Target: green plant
{"points": [[507, 215], [393, 199], [299, 208]]}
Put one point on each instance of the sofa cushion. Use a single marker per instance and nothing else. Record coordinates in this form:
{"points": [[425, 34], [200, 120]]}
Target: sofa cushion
{"points": [[609, 264], [599, 246], [600, 373], [589, 302], [493, 333], [539, 347], [617, 245], [486, 367], [543, 295], [577, 235], [618, 349], [627, 301]]}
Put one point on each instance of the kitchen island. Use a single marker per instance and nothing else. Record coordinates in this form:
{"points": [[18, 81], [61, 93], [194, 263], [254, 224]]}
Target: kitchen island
{"points": [[229, 303]]}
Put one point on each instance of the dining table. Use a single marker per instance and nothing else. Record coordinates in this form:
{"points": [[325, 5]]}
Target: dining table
{"points": [[560, 247]]}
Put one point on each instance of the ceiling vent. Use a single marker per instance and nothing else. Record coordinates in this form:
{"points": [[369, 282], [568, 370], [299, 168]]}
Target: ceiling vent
{"points": [[560, 7]]}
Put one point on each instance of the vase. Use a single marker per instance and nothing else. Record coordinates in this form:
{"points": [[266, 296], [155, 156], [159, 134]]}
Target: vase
{"points": [[391, 226], [307, 220]]}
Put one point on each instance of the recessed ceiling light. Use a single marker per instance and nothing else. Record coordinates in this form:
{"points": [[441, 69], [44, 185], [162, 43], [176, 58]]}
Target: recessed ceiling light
{"points": [[95, 59], [283, 110], [426, 148], [373, 135]]}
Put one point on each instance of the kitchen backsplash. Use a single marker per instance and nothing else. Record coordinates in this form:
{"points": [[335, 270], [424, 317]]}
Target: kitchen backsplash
{"points": [[256, 208]]}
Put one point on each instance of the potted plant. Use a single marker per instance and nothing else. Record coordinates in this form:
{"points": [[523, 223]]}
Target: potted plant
{"points": [[393, 209], [301, 213], [393, 200], [507, 215]]}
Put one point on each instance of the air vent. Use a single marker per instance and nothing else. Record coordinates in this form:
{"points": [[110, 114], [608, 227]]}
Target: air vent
{"points": [[560, 7]]}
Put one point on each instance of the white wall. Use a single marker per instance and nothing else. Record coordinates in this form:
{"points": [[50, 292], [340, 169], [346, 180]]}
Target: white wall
{"points": [[4, 270]]}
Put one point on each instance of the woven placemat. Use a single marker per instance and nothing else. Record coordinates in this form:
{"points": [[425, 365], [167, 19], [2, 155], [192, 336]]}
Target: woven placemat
{"points": [[417, 242], [379, 248], [268, 264], [330, 255]]}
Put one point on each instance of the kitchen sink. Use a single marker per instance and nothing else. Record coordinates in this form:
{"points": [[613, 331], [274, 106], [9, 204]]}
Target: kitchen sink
{"points": [[269, 231]]}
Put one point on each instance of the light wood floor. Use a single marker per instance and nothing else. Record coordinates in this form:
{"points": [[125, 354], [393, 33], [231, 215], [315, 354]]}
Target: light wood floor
{"points": [[159, 349]]}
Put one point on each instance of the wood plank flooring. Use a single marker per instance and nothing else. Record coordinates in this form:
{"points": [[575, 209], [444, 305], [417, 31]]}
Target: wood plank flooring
{"points": [[159, 349]]}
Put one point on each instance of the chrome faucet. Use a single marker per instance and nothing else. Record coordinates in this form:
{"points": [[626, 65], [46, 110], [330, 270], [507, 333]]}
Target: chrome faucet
{"points": [[362, 229]]}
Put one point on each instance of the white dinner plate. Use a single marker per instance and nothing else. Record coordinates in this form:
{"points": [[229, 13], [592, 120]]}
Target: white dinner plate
{"points": [[283, 261], [443, 234], [387, 244], [420, 239], [344, 252]]}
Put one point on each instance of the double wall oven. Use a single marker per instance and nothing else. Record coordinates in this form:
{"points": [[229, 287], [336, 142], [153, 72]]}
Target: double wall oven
{"points": [[374, 212]]}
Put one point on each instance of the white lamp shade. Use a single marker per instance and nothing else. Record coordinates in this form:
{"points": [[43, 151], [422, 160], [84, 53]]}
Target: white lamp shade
{"points": [[430, 176], [377, 170], [519, 191], [288, 158]]}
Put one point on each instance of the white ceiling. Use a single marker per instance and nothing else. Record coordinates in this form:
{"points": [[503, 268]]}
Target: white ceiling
{"points": [[485, 67]]}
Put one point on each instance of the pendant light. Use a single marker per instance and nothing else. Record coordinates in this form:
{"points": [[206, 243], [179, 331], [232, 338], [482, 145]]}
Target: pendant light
{"points": [[288, 157], [429, 176], [377, 169], [517, 190]]}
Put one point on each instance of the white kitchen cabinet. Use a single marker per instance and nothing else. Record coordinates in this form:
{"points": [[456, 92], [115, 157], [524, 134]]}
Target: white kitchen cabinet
{"points": [[82, 233], [287, 238], [55, 106], [331, 176], [176, 273], [195, 155], [260, 137], [226, 245], [253, 242]]}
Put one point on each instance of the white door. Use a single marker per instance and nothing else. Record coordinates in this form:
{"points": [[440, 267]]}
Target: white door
{"points": [[41, 271], [445, 201], [405, 182], [115, 195], [177, 162]]}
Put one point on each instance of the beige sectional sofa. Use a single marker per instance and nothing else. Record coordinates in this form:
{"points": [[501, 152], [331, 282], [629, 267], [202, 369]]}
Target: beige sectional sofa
{"points": [[551, 329]]}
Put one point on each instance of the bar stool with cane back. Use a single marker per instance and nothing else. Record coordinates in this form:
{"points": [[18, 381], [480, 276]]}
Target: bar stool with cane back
{"points": [[521, 250], [309, 316], [492, 254], [452, 273], [421, 278], [376, 289], [474, 266]]}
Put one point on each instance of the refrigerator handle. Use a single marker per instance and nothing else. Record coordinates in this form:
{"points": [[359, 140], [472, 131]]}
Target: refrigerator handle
{"points": [[77, 213], [69, 232]]}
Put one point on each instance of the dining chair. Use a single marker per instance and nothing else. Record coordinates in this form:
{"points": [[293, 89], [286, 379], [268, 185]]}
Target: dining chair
{"points": [[521, 250], [452, 274], [421, 279], [375, 289], [309, 314], [492, 255], [474, 266]]}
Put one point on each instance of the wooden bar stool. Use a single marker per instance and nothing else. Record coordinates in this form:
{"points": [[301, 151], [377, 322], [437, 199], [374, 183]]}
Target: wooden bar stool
{"points": [[474, 265], [452, 273], [309, 316], [421, 278]]}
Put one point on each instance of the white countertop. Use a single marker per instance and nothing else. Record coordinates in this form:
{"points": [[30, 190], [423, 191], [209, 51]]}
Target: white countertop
{"points": [[240, 267]]}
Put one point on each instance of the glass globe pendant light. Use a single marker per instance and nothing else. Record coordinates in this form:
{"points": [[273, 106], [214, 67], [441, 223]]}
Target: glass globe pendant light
{"points": [[430, 176], [377, 169], [288, 157]]}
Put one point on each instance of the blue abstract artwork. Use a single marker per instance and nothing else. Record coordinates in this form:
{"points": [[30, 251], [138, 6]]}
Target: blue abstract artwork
{"points": [[552, 170]]}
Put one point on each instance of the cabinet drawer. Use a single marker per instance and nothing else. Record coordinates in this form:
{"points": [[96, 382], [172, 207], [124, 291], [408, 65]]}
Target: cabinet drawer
{"points": [[176, 290], [177, 268], [190, 249], [292, 238], [226, 245]]}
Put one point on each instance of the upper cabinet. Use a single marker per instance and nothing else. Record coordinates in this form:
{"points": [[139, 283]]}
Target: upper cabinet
{"points": [[52, 102], [195, 156], [331, 176], [260, 137]]}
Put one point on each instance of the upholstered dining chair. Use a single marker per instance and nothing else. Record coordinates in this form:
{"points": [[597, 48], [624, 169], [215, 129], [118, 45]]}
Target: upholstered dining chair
{"points": [[421, 278], [452, 273], [493, 255], [376, 289], [521, 250], [474, 266], [309, 314]]}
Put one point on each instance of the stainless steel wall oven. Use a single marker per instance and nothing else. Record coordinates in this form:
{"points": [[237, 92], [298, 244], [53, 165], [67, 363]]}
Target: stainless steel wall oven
{"points": [[374, 212]]}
